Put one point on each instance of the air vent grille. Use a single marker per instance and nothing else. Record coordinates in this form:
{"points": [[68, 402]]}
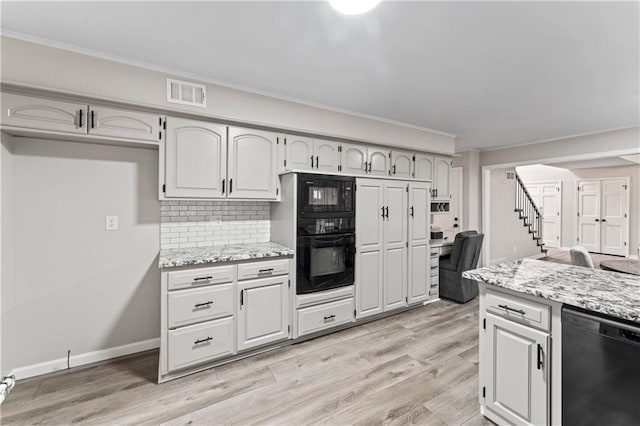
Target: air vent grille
{"points": [[186, 93]]}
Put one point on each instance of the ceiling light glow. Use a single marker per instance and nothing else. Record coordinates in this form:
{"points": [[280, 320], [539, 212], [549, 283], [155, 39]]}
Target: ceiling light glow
{"points": [[353, 7]]}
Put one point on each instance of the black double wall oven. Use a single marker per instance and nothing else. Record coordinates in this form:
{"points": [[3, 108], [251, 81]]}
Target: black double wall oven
{"points": [[325, 249]]}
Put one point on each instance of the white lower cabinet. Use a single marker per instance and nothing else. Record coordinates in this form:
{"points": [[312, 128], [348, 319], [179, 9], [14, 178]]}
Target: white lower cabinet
{"points": [[326, 315], [209, 314], [263, 315], [515, 362], [196, 344]]}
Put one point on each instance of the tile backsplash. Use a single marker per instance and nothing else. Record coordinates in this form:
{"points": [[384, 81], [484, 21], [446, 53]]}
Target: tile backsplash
{"points": [[207, 223]]}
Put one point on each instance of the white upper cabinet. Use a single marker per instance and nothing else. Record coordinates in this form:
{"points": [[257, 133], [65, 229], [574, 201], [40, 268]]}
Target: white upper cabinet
{"points": [[43, 114], [299, 152], [195, 159], [120, 123], [353, 159], [442, 178], [424, 167], [252, 164], [401, 164], [378, 160], [327, 156]]}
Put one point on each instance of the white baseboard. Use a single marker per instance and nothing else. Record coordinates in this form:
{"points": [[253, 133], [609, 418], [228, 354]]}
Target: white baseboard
{"points": [[85, 358], [633, 256], [499, 260]]}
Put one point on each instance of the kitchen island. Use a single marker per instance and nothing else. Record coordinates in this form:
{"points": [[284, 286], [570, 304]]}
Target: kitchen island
{"points": [[521, 304]]}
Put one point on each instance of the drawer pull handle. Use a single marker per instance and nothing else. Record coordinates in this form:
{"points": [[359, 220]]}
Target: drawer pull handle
{"points": [[518, 311], [202, 278], [265, 271], [434, 267], [197, 342], [201, 305], [434, 254], [329, 318]]}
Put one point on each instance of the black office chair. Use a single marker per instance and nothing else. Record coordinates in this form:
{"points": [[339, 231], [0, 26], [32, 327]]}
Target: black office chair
{"points": [[464, 256]]}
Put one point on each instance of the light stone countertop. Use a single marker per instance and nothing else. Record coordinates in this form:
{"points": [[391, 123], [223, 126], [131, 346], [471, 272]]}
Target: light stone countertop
{"points": [[609, 293], [171, 258]]}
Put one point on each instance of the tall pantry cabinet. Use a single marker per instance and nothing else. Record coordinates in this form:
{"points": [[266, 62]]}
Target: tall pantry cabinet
{"points": [[392, 244]]}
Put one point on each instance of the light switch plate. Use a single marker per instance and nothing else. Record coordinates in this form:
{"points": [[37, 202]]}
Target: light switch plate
{"points": [[111, 223]]}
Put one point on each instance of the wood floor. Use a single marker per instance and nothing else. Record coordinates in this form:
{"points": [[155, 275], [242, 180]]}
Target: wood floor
{"points": [[418, 367]]}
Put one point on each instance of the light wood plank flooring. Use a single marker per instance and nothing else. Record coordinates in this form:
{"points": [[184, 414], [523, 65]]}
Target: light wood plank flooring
{"points": [[418, 367]]}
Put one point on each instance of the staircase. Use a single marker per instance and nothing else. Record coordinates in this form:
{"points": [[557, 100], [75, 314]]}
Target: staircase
{"points": [[529, 213]]}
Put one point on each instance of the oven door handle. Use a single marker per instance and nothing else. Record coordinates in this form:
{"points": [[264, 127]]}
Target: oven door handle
{"points": [[330, 241]]}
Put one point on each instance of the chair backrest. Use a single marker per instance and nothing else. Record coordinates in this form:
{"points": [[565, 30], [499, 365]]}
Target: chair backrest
{"points": [[580, 257], [458, 244], [470, 252]]}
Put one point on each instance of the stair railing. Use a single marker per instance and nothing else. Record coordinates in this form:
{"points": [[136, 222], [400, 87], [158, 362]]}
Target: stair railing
{"points": [[528, 210]]}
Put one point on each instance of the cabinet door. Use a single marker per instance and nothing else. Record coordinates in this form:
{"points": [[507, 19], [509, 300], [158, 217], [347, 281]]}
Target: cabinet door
{"points": [[124, 124], [401, 164], [195, 159], [419, 202], [263, 315], [370, 243], [299, 152], [442, 178], [614, 214], [395, 245], [379, 160], [424, 167], [354, 159], [516, 379], [252, 164], [43, 114], [327, 156], [589, 214]]}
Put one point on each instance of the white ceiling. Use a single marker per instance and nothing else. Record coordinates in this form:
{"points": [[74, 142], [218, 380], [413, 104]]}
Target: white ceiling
{"points": [[494, 73], [597, 162]]}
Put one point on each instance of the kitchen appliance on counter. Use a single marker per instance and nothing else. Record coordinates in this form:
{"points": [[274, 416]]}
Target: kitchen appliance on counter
{"points": [[325, 246], [600, 369]]}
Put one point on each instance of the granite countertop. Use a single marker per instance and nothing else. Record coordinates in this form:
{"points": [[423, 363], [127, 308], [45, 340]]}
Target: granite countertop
{"points": [[171, 258], [609, 293]]}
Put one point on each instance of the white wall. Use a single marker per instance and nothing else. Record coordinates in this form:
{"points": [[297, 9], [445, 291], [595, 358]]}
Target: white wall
{"points": [[568, 177], [32, 64], [76, 286], [6, 232], [509, 238], [471, 188], [597, 145]]}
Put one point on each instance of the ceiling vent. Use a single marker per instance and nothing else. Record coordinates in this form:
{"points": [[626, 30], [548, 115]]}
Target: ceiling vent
{"points": [[186, 93]]}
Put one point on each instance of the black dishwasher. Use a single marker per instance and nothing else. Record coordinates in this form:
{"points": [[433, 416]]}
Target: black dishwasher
{"points": [[600, 369]]}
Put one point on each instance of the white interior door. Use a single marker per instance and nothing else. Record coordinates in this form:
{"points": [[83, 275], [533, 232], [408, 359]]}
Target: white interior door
{"points": [[395, 245], [369, 242], [550, 196], [589, 215], [456, 200], [614, 216]]}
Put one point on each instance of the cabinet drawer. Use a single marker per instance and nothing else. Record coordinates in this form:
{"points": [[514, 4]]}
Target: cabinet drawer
{"points": [[434, 252], [435, 261], [520, 310], [200, 304], [198, 343], [435, 281], [316, 318], [248, 271], [200, 276], [434, 270]]}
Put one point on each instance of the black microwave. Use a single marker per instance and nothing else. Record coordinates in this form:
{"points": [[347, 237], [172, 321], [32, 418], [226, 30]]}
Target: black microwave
{"points": [[323, 196]]}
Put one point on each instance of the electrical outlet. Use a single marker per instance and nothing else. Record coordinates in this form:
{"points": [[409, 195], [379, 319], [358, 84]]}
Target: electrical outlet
{"points": [[111, 223]]}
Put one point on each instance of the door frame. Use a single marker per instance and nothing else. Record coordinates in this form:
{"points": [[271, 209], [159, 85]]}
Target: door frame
{"points": [[559, 184], [627, 179]]}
